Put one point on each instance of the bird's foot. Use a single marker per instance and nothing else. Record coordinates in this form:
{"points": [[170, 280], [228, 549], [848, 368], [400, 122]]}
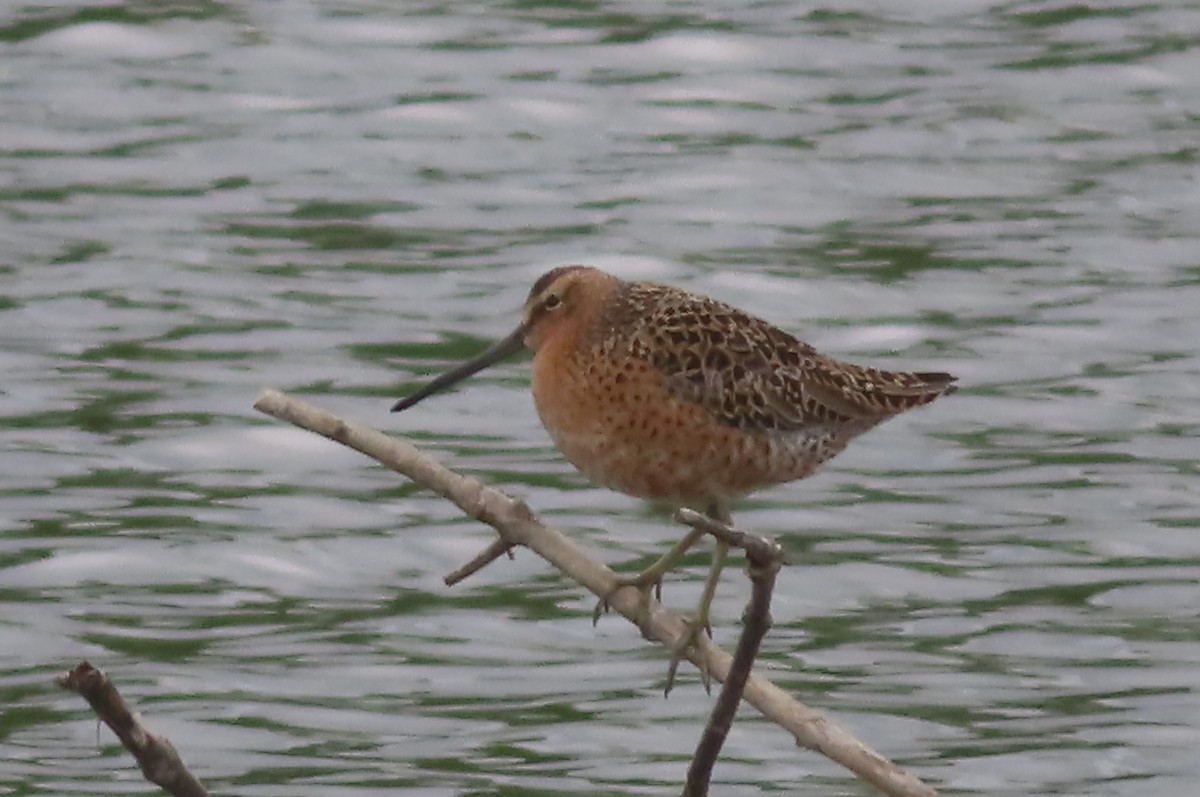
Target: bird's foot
{"points": [[695, 631], [644, 587]]}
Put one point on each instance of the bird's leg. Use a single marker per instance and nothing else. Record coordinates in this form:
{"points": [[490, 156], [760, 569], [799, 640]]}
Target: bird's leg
{"points": [[649, 578], [699, 624]]}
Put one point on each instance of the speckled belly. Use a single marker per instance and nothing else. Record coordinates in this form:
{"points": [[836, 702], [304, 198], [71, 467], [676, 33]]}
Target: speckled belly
{"points": [[623, 430]]}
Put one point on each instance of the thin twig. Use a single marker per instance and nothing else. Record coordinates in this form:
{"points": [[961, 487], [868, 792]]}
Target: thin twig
{"points": [[763, 560], [497, 548], [757, 548], [517, 525], [155, 755]]}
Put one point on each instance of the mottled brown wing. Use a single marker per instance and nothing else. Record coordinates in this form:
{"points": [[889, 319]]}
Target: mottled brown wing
{"points": [[729, 362], [862, 396], [754, 376]]}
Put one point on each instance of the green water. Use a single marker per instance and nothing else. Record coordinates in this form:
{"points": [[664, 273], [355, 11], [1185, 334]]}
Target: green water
{"points": [[198, 200]]}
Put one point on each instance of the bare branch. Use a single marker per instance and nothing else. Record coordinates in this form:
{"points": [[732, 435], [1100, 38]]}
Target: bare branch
{"points": [[517, 525], [764, 558], [155, 755]]}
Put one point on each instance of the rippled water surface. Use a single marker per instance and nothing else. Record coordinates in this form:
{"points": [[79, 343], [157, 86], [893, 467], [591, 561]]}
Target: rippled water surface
{"points": [[198, 200]]}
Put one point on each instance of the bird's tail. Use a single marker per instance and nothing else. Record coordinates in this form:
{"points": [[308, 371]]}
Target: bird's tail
{"points": [[872, 394], [899, 391]]}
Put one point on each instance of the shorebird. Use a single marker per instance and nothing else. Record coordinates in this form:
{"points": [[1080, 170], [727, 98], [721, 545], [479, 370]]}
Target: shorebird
{"points": [[681, 399]]}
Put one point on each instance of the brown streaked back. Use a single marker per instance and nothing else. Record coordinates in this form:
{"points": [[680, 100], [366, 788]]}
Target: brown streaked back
{"points": [[748, 373]]}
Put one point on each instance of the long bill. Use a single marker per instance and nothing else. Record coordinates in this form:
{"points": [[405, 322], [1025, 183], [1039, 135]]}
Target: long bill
{"points": [[497, 352]]}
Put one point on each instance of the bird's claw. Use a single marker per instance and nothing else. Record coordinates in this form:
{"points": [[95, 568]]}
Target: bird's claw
{"points": [[693, 636], [643, 587]]}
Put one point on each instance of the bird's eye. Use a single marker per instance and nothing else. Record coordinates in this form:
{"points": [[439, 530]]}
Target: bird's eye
{"points": [[551, 301]]}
